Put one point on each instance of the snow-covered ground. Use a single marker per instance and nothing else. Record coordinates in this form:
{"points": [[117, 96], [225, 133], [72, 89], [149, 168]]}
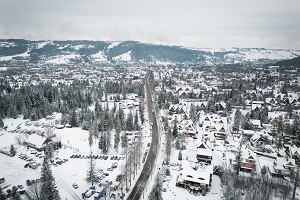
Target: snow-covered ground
{"points": [[99, 57], [123, 57], [113, 44], [64, 59]]}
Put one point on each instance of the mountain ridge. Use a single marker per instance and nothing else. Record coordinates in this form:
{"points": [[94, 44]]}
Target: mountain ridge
{"points": [[67, 52]]}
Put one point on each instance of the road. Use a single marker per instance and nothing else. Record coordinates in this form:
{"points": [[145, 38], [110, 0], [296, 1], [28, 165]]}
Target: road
{"points": [[152, 154]]}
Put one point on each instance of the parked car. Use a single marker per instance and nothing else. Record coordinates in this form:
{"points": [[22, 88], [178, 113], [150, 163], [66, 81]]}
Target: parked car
{"points": [[119, 177], [109, 169], [75, 185], [2, 180], [59, 162], [28, 182], [114, 165], [33, 166]]}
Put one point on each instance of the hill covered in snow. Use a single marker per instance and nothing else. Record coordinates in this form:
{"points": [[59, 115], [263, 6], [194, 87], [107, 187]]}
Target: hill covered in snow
{"points": [[18, 51]]}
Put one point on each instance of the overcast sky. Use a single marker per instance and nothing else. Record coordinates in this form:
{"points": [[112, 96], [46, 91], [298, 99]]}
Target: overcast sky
{"points": [[192, 23]]}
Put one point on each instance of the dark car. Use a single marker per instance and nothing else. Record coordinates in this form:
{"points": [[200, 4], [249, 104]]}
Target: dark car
{"points": [[28, 182]]}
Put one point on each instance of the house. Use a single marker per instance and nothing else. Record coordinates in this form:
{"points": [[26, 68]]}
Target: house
{"points": [[257, 105], [257, 142], [282, 167], [195, 177], [187, 127], [221, 134], [39, 142], [294, 152], [256, 123], [248, 164], [204, 153]]}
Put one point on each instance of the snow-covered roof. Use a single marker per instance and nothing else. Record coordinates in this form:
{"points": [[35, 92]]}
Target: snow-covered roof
{"points": [[35, 139], [200, 174], [204, 149]]}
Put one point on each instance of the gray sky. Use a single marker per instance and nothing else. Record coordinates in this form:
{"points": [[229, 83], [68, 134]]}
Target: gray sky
{"points": [[192, 23]]}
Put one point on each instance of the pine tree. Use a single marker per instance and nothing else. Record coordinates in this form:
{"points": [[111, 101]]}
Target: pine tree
{"points": [[72, 119], [193, 113], [2, 195], [136, 122], [108, 142], [117, 139], [129, 122], [103, 143], [237, 120], [175, 130], [12, 150], [168, 145], [92, 173], [15, 195], [155, 193], [180, 155], [48, 186], [1, 122], [91, 134], [124, 140], [238, 160], [141, 111], [33, 115]]}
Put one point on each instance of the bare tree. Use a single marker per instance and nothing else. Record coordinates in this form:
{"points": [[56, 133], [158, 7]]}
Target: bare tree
{"points": [[34, 191]]}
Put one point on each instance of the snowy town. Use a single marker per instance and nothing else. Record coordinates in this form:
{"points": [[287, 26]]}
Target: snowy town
{"points": [[155, 132]]}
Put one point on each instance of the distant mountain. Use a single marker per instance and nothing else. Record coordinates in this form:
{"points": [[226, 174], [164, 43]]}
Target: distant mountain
{"points": [[295, 62], [18, 51]]}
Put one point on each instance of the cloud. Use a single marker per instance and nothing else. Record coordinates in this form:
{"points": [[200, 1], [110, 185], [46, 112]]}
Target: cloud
{"points": [[194, 23]]}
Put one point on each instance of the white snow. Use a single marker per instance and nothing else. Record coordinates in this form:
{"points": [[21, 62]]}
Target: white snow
{"points": [[41, 44], [113, 44], [251, 54], [123, 57], [99, 57], [7, 44], [77, 47], [258, 54], [65, 59]]}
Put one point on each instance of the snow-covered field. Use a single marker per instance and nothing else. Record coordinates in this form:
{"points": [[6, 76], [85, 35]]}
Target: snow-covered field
{"points": [[99, 57], [65, 59], [123, 57]]}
